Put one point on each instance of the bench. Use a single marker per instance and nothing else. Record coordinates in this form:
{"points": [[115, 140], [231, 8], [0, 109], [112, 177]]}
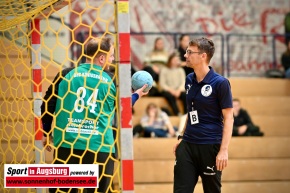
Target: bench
{"points": [[227, 187], [260, 87], [240, 148], [271, 125]]}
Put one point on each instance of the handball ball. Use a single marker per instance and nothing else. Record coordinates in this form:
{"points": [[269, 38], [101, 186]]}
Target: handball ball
{"points": [[140, 78]]}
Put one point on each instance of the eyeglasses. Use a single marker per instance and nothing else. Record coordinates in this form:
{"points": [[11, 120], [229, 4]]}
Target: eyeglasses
{"points": [[189, 52]]}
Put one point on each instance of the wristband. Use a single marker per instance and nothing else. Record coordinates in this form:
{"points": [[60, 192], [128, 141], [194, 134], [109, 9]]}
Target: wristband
{"points": [[179, 137]]}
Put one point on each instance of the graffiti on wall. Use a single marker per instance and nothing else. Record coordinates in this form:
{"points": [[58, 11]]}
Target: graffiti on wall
{"points": [[229, 17], [90, 18], [202, 16]]}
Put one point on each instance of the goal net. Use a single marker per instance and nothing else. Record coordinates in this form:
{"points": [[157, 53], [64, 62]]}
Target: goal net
{"points": [[39, 39]]}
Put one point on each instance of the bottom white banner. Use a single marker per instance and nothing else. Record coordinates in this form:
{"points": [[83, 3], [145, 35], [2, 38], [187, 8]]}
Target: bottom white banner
{"points": [[51, 175]]}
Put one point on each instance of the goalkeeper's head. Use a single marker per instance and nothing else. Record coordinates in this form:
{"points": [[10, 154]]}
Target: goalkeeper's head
{"points": [[100, 51]]}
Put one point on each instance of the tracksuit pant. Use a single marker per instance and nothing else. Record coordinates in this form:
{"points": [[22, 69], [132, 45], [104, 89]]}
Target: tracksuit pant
{"points": [[192, 161]]}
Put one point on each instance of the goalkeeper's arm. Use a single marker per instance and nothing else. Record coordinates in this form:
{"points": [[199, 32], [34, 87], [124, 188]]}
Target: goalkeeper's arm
{"points": [[49, 102], [48, 106]]}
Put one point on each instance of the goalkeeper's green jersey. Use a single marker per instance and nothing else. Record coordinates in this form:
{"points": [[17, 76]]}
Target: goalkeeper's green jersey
{"points": [[85, 109]]}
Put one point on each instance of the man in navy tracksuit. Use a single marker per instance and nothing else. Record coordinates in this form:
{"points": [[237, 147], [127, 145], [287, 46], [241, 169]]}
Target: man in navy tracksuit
{"points": [[202, 149]]}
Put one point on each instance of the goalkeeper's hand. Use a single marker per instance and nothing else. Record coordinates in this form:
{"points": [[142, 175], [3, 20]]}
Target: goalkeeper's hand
{"points": [[141, 92]]}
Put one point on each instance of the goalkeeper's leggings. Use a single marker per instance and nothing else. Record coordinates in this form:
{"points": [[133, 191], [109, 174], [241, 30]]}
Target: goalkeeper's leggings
{"points": [[105, 160]]}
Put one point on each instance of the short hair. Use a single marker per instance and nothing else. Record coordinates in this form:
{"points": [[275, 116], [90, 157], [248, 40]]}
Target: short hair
{"points": [[236, 100], [204, 45], [98, 46]]}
